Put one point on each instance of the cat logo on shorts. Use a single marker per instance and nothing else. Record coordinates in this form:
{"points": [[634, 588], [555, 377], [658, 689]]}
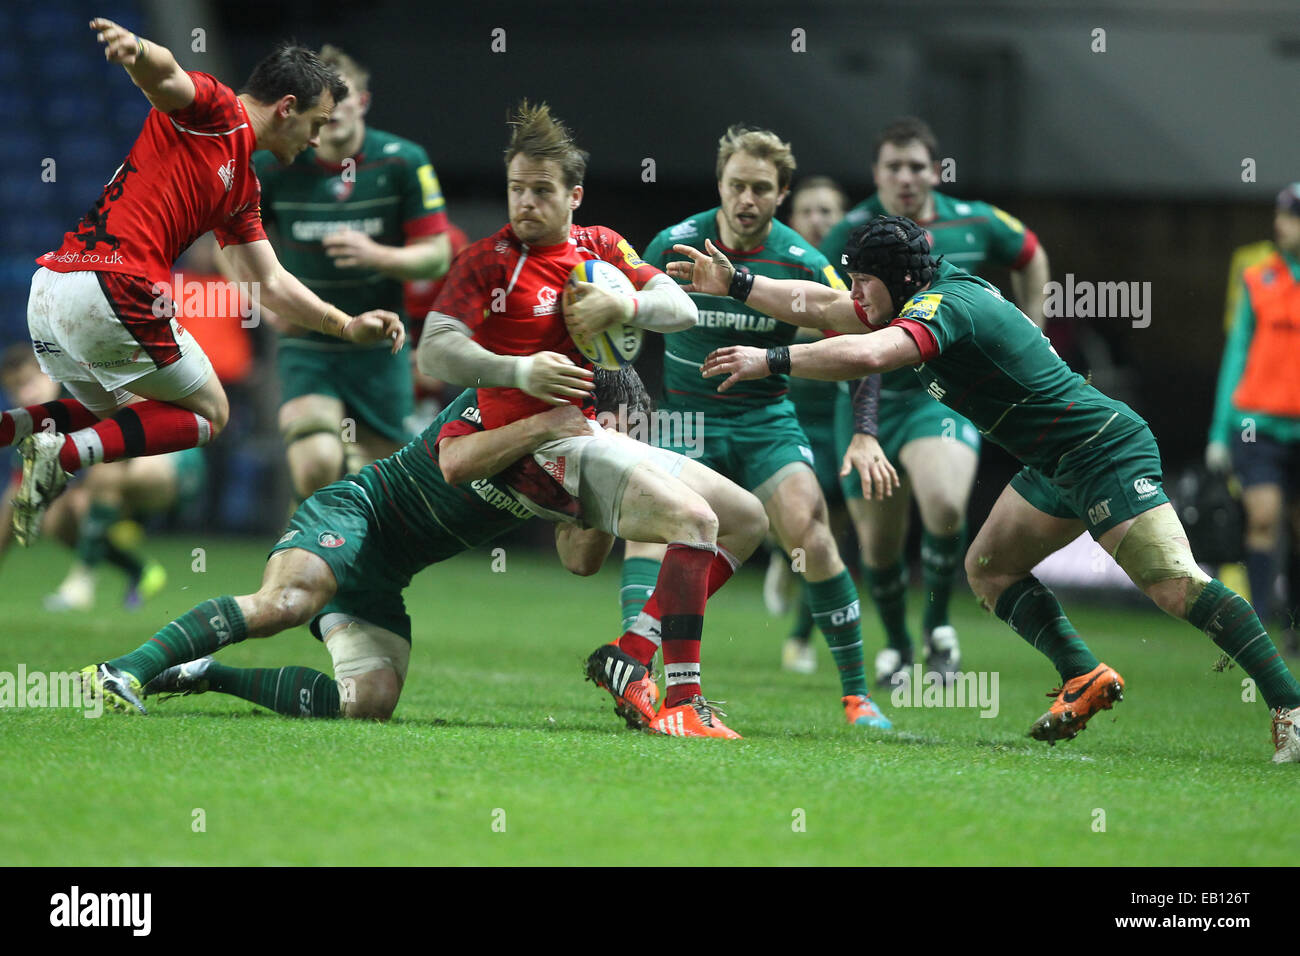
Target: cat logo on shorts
{"points": [[328, 539]]}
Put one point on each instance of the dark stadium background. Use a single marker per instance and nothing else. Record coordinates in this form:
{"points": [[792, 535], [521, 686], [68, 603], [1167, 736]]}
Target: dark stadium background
{"points": [[1127, 163]]}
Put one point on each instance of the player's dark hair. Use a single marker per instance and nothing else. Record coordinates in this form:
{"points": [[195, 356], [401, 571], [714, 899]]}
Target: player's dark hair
{"points": [[904, 130], [820, 182], [621, 388], [293, 69], [894, 250], [540, 136]]}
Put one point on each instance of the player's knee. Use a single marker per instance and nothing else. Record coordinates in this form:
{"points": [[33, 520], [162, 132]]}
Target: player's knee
{"points": [[287, 607], [690, 519], [217, 412], [312, 474], [370, 696], [1170, 596], [943, 517], [751, 521]]}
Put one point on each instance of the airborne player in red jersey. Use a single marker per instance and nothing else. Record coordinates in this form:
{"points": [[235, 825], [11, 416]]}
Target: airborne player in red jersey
{"points": [[100, 320], [498, 325]]}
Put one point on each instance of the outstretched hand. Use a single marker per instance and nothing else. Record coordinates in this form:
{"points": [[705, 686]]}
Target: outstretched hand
{"points": [[120, 44], [739, 363], [708, 272]]}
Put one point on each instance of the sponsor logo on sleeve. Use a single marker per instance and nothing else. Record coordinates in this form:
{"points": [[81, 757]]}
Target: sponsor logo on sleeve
{"points": [[1008, 220], [684, 230], [922, 307], [833, 278], [630, 256], [429, 186], [1145, 488]]}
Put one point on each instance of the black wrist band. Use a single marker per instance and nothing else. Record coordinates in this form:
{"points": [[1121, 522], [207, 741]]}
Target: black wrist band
{"points": [[778, 360], [741, 284]]}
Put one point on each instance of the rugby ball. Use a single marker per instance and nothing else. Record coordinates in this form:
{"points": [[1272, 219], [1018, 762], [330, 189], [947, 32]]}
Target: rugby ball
{"points": [[618, 345]]}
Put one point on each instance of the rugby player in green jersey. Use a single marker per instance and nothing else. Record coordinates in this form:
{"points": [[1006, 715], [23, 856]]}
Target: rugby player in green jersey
{"points": [[752, 434], [817, 205], [349, 552], [936, 450], [353, 218], [1091, 463]]}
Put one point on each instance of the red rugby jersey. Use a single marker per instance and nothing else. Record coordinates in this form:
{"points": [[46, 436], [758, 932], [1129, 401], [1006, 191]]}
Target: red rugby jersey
{"points": [[508, 293], [187, 173]]}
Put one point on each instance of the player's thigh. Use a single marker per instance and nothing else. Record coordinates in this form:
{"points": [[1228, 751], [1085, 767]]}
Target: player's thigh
{"points": [[738, 511], [1015, 537], [881, 525], [942, 471], [659, 507]]}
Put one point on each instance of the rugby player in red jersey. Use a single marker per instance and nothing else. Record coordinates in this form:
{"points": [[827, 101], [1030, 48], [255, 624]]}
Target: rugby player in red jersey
{"points": [[100, 321], [498, 325]]}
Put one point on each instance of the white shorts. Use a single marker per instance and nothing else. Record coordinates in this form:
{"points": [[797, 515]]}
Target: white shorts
{"points": [[97, 333], [595, 470]]}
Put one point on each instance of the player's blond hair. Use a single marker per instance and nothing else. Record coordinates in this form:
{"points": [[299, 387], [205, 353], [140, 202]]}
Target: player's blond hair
{"points": [[346, 66], [540, 136], [761, 144]]}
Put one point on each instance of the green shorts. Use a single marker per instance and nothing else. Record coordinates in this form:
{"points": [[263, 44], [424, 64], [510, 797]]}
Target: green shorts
{"points": [[337, 524], [751, 448], [373, 384], [1117, 480], [904, 417]]}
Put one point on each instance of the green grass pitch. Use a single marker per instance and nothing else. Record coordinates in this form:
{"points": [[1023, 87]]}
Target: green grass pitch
{"points": [[501, 754]]}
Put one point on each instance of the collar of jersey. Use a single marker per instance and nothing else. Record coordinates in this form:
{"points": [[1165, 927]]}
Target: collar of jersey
{"points": [[332, 168]]}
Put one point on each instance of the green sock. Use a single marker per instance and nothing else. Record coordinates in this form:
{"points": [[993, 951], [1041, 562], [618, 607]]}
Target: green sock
{"points": [[940, 558], [639, 578], [803, 615], [196, 633], [835, 609], [1233, 625], [888, 587], [292, 691], [1034, 613], [92, 539], [130, 563]]}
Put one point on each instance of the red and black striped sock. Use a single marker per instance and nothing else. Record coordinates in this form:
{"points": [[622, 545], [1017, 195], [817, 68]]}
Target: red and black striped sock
{"points": [[63, 415], [642, 639], [681, 593], [145, 428]]}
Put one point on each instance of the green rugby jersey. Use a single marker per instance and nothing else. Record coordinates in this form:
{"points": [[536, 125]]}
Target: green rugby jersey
{"points": [[985, 359], [391, 195], [724, 321], [424, 518], [966, 232]]}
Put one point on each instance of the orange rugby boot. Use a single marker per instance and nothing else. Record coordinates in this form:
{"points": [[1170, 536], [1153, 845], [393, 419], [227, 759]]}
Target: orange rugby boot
{"points": [[695, 718], [635, 693], [1076, 702]]}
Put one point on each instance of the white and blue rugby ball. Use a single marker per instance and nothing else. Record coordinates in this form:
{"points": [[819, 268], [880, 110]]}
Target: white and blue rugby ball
{"points": [[619, 345]]}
